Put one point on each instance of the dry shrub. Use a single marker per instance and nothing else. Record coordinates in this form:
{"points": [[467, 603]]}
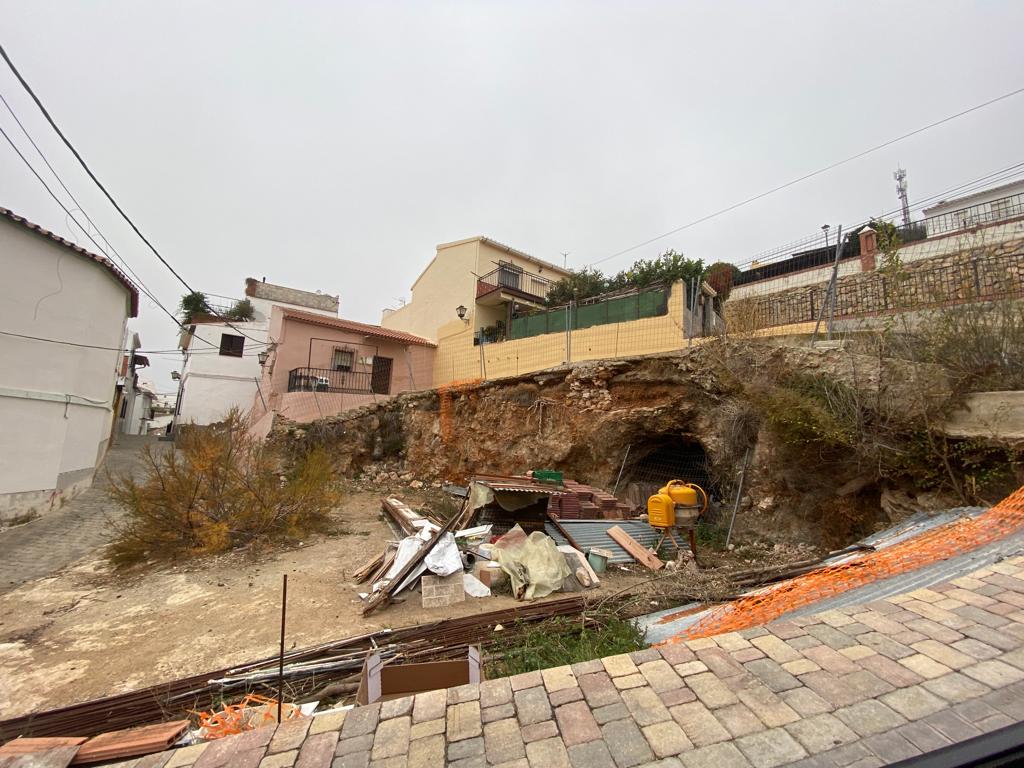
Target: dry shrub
{"points": [[217, 490]]}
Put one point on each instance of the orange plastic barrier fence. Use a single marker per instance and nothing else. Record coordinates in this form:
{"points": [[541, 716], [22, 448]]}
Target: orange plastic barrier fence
{"points": [[940, 543]]}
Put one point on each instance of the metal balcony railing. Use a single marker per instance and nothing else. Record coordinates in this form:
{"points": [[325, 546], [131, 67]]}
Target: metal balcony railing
{"points": [[516, 281], [975, 215], [328, 380]]}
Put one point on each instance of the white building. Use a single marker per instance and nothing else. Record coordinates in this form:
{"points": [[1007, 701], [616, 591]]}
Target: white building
{"points": [[63, 314], [221, 369], [981, 208], [132, 411]]}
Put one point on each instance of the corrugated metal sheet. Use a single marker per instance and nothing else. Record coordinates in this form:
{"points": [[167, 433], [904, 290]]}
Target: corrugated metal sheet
{"points": [[594, 533]]}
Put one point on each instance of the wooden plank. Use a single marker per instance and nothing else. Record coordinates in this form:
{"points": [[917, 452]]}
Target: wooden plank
{"points": [[384, 596], [364, 572], [635, 549], [27, 746]]}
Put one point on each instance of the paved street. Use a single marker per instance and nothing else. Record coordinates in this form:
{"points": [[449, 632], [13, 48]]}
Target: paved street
{"points": [[863, 686], [59, 538]]}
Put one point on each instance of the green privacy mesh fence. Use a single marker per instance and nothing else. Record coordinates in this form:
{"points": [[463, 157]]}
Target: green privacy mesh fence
{"points": [[617, 310]]}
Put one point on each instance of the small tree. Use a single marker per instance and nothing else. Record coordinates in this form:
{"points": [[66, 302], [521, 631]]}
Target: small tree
{"points": [[720, 276], [242, 310], [192, 304]]}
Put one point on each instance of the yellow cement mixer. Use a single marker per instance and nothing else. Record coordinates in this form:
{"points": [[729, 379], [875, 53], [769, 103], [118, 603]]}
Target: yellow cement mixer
{"points": [[677, 505]]}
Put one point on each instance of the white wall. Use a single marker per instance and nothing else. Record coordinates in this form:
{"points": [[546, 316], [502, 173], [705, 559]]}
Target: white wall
{"points": [[56, 400], [212, 384]]}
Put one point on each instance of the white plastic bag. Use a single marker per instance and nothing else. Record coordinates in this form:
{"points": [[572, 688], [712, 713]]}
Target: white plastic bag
{"points": [[444, 559]]}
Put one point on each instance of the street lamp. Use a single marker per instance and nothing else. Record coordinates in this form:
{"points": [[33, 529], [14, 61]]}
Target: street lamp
{"points": [[262, 357], [461, 312], [824, 228]]}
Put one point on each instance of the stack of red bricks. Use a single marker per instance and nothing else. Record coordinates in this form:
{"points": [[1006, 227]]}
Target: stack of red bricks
{"points": [[582, 502]]}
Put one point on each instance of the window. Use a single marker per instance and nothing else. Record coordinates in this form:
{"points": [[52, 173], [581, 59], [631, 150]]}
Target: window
{"points": [[231, 345], [342, 360]]}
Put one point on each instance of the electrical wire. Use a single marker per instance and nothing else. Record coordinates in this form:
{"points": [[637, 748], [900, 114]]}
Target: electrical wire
{"points": [[88, 170], [1001, 176], [113, 251], [810, 175], [113, 349]]}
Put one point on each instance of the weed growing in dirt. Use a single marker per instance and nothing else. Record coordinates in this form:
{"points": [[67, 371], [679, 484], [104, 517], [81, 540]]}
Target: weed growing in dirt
{"points": [[559, 641], [217, 490]]}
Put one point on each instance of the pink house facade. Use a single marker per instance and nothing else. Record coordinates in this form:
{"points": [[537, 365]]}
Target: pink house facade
{"points": [[320, 366]]}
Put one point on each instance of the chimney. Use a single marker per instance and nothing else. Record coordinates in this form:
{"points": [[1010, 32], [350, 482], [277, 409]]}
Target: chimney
{"points": [[868, 249]]}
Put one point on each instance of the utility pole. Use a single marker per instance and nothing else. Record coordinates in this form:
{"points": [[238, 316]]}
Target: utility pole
{"points": [[901, 189]]}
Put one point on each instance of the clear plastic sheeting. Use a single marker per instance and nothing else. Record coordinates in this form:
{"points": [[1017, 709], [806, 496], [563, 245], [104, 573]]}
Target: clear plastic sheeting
{"points": [[533, 563]]}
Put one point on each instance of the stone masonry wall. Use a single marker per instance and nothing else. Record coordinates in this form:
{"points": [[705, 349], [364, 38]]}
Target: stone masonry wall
{"points": [[990, 272]]}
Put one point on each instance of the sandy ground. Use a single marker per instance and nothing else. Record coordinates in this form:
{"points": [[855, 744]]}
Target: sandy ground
{"points": [[88, 632]]}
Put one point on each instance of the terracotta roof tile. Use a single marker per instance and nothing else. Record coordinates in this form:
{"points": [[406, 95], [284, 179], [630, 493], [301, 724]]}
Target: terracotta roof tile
{"points": [[350, 325], [101, 260]]}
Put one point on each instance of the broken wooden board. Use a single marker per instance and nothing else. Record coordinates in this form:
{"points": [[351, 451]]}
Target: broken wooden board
{"points": [[133, 742], [636, 550]]}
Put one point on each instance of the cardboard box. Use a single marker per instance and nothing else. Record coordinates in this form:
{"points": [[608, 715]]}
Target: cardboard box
{"points": [[380, 681]]}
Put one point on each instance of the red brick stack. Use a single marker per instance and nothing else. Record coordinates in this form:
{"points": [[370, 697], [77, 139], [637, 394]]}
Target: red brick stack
{"points": [[582, 502]]}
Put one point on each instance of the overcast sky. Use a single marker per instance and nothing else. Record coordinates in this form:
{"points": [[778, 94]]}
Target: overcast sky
{"points": [[332, 145]]}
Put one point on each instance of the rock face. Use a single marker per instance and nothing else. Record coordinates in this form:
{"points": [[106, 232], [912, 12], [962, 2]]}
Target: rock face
{"points": [[582, 418]]}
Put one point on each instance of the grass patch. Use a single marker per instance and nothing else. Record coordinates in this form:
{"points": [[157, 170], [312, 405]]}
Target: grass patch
{"points": [[555, 642]]}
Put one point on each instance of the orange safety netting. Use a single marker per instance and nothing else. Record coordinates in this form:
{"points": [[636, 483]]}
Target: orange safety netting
{"points": [[254, 711], [444, 393], [932, 546]]}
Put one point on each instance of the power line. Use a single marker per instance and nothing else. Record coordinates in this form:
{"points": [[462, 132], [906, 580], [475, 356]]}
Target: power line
{"points": [[88, 170], [65, 342], [811, 175], [60, 133], [995, 177], [106, 240]]}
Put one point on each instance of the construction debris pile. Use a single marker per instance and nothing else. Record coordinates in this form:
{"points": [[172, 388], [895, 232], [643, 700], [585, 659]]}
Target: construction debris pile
{"points": [[452, 559]]}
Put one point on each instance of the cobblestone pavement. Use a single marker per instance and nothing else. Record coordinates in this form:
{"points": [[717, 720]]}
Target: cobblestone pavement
{"points": [[863, 686], [58, 538]]}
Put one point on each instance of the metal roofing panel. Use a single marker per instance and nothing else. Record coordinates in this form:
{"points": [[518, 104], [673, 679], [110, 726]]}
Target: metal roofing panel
{"points": [[594, 533]]}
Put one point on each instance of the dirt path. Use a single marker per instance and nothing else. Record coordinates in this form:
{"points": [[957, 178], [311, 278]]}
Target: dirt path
{"points": [[86, 632], [58, 538]]}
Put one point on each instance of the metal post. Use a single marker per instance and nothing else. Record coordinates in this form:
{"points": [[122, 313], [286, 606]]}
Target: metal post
{"points": [[739, 495], [689, 313], [568, 332], [831, 285], [617, 479], [280, 658]]}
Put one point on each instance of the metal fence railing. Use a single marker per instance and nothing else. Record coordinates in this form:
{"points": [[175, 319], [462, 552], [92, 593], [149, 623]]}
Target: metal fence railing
{"points": [[966, 279], [328, 380], [516, 281], [975, 215]]}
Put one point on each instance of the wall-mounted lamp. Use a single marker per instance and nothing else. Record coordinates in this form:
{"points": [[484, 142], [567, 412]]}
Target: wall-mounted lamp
{"points": [[262, 357], [461, 312], [175, 376]]}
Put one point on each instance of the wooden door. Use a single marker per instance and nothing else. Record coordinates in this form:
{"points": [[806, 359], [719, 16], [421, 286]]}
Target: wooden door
{"points": [[380, 377]]}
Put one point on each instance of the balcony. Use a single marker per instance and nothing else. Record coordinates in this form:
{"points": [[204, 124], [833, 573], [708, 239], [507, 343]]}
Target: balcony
{"points": [[329, 380], [975, 215], [509, 282]]}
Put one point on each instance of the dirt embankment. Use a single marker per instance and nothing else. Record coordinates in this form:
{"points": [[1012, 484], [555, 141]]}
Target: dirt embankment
{"points": [[583, 418]]}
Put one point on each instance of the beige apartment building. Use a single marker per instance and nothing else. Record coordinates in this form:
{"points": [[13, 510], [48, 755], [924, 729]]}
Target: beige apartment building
{"points": [[487, 279]]}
